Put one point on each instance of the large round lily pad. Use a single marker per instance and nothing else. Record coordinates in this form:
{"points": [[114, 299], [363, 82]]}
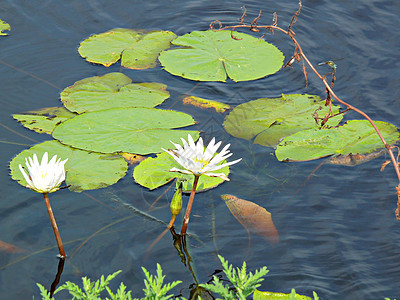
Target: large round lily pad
{"points": [[357, 136], [139, 50], [44, 120], [132, 130], [84, 170], [269, 120], [111, 91], [154, 172], [214, 55]]}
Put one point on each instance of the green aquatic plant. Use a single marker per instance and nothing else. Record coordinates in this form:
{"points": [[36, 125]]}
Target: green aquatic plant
{"points": [[136, 48], [242, 285], [137, 130], [215, 55], [266, 121], [356, 136], [112, 90], [44, 120]]}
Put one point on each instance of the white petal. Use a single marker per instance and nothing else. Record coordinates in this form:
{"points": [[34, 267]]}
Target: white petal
{"points": [[27, 179], [181, 171], [191, 142], [218, 158], [226, 164], [52, 162], [220, 175], [211, 149], [45, 159]]}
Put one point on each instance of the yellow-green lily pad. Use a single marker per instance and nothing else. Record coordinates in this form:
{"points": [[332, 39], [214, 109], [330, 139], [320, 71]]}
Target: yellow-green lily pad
{"points": [[138, 49], [44, 120], [356, 136], [112, 90], [268, 120], [132, 130]]}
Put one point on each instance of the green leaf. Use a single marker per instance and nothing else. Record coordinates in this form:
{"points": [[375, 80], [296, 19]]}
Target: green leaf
{"points": [[154, 172], [144, 53], [111, 91], [357, 136], [214, 55], [139, 50], [131, 130], [84, 170], [43, 120], [4, 26], [269, 120], [258, 295], [106, 48]]}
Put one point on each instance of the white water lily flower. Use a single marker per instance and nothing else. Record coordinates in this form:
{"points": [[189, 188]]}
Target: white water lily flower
{"points": [[199, 161], [45, 177]]}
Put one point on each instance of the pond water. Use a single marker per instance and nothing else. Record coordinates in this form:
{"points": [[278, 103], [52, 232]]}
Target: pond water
{"points": [[338, 233]]}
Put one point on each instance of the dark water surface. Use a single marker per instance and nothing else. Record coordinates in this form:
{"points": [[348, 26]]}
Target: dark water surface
{"points": [[338, 235]]}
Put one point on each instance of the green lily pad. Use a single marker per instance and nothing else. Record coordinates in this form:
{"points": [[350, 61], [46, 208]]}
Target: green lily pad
{"points": [[357, 136], [4, 26], [131, 130], [258, 295], [269, 120], [84, 170], [154, 172], [139, 50], [111, 91], [44, 120], [144, 53], [214, 55]]}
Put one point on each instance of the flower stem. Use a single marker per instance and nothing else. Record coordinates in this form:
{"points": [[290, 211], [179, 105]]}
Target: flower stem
{"points": [[189, 206], [54, 224]]}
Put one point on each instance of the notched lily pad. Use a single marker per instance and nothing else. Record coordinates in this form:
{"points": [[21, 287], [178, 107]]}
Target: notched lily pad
{"points": [[154, 172], [4, 26], [111, 91], [357, 136], [144, 53], [138, 49], [132, 130], [205, 103], [44, 120], [267, 120], [84, 170], [215, 55]]}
